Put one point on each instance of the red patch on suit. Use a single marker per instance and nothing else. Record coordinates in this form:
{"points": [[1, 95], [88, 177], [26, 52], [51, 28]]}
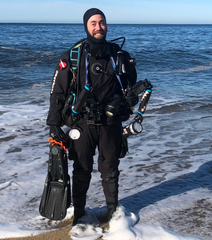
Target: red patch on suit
{"points": [[62, 64]]}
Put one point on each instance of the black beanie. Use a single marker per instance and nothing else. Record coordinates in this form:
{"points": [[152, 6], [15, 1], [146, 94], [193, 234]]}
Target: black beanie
{"points": [[89, 13], [97, 47]]}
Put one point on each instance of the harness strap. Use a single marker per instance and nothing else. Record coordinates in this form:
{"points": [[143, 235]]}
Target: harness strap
{"points": [[118, 77], [75, 53], [86, 67], [74, 56]]}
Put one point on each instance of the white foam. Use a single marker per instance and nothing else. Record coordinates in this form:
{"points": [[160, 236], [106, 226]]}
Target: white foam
{"points": [[125, 226], [149, 179], [85, 230]]}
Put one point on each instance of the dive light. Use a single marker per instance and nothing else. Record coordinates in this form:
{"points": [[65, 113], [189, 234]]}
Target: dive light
{"points": [[132, 129], [112, 107], [75, 133], [81, 100]]}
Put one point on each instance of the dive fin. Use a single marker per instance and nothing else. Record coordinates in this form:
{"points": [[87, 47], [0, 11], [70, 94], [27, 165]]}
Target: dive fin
{"points": [[56, 196]]}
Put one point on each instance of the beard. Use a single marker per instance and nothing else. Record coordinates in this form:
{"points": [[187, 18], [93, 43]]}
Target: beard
{"points": [[102, 34]]}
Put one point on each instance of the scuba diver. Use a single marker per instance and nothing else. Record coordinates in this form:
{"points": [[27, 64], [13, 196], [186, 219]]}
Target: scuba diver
{"points": [[90, 95]]}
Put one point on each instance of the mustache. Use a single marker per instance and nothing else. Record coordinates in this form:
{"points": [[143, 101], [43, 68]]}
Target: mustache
{"points": [[101, 31]]}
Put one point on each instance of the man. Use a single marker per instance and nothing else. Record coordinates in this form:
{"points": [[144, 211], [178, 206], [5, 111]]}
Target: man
{"points": [[96, 70]]}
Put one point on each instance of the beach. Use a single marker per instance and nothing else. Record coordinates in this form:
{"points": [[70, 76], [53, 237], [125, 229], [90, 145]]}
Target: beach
{"points": [[165, 182], [55, 235]]}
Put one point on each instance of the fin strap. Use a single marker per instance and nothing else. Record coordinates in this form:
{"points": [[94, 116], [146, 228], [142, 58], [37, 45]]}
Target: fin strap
{"points": [[51, 140]]}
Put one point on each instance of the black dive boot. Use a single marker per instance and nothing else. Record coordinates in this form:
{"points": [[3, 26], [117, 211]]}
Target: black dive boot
{"points": [[111, 208], [110, 185], [78, 213], [79, 189]]}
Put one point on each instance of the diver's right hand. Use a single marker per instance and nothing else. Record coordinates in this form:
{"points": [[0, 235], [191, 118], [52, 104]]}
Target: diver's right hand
{"points": [[57, 133]]}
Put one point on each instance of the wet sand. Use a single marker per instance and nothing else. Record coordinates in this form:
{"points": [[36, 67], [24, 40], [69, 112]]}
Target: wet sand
{"points": [[59, 233]]}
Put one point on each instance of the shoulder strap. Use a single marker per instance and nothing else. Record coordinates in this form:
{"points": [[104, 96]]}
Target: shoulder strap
{"points": [[74, 57], [75, 53], [118, 76]]}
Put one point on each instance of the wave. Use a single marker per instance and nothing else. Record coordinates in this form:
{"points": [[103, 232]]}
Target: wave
{"points": [[9, 48], [181, 107], [188, 70], [15, 49]]}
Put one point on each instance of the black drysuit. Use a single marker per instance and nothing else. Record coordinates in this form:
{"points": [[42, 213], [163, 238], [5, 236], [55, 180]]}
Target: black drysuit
{"points": [[97, 131]]}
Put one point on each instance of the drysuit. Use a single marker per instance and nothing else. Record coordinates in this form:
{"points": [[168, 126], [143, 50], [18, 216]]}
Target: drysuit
{"points": [[97, 128]]}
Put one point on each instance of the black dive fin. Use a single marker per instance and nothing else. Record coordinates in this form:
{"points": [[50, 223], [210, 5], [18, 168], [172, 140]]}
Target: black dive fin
{"points": [[56, 196]]}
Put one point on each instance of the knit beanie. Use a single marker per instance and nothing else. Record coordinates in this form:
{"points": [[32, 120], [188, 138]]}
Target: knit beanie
{"points": [[89, 13]]}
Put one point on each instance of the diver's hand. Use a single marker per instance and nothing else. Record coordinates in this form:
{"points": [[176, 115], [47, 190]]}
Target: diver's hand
{"points": [[138, 118], [57, 133], [148, 84], [132, 99]]}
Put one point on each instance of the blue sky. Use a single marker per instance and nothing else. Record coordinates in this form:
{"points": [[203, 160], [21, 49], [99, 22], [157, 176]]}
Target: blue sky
{"points": [[116, 11]]}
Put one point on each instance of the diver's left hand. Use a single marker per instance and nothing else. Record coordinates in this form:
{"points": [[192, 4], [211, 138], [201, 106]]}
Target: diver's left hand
{"points": [[57, 133]]}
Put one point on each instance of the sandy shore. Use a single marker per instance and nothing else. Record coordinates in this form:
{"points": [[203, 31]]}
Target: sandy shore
{"points": [[59, 233]]}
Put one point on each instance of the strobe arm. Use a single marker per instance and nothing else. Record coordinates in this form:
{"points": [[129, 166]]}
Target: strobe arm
{"points": [[136, 127]]}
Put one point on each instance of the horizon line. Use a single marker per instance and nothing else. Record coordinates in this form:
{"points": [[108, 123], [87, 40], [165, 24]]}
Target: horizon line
{"points": [[107, 23]]}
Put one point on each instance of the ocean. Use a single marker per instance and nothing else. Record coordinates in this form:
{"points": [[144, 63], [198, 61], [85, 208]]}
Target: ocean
{"points": [[165, 185]]}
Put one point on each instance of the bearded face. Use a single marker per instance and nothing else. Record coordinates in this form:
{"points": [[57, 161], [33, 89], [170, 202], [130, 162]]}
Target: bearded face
{"points": [[96, 26]]}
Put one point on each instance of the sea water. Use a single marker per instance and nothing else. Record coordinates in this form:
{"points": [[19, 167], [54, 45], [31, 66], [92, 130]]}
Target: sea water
{"points": [[165, 183]]}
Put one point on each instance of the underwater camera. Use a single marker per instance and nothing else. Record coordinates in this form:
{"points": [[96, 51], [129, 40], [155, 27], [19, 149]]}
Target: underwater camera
{"points": [[112, 107]]}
